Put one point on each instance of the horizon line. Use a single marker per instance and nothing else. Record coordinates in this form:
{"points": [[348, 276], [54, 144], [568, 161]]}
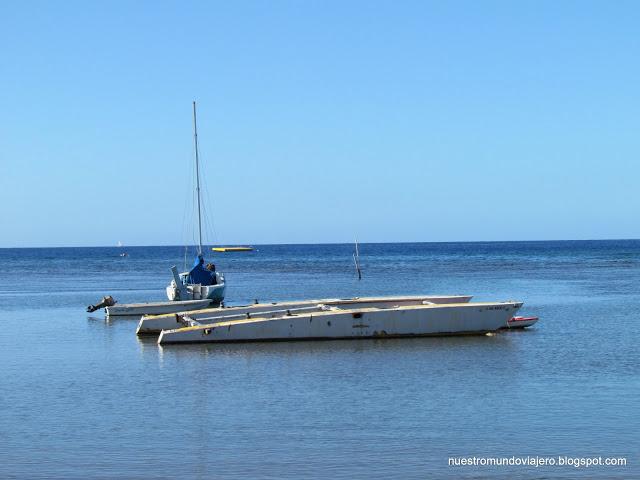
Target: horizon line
{"points": [[336, 243]]}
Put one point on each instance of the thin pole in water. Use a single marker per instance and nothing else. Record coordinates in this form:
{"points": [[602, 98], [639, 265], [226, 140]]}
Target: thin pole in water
{"points": [[356, 260], [195, 139]]}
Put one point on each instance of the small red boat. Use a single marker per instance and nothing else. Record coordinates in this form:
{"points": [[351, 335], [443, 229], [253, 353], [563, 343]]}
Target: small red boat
{"points": [[521, 322]]}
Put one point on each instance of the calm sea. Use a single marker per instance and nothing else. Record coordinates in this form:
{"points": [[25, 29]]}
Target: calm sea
{"points": [[81, 397]]}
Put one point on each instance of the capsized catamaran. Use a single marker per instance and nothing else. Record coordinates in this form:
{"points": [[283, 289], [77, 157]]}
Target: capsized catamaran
{"points": [[350, 319], [154, 324], [202, 281]]}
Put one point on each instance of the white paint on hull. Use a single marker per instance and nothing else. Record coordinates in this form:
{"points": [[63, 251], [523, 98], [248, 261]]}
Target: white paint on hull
{"points": [[521, 322], [402, 321], [155, 308], [180, 290], [153, 325]]}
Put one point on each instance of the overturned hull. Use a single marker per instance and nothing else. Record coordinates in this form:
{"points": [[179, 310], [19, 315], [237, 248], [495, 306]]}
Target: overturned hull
{"points": [[154, 324], [330, 322]]}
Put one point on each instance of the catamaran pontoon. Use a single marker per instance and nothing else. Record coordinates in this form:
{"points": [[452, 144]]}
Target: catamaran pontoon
{"points": [[154, 324], [349, 319]]}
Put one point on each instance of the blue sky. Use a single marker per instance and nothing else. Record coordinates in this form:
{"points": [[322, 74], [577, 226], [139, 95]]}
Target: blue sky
{"points": [[319, 121]]}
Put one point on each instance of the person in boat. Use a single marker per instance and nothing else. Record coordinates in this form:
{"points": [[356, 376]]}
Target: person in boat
{"points": [[201, 274], [212, 268]]}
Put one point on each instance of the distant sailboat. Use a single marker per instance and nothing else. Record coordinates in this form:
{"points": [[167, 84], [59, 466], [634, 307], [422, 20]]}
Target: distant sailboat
{"points": [[202, 281], [122, 254]]}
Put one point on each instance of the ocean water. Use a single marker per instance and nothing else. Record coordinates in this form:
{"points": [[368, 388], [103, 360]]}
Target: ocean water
{"points": [[82, 397]]}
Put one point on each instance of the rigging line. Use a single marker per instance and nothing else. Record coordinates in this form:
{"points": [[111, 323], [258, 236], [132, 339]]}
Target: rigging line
{"points": [[204, 216], [194, 235], [187, 212], [189, 231], [208, 229], [208, 204], [195, 140], [208, 218], [193, 241], [187, 226]]}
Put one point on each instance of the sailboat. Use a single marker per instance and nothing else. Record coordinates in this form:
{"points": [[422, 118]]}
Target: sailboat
{"points": [[122, 254], [202, 282]]}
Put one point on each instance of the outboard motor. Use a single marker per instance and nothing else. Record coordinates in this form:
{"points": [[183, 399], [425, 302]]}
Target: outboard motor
{"points": [[107, 301], [176, 290]]}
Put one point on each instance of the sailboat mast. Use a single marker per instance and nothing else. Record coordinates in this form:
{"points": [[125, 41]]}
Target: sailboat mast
{"points": [[195, 139]]}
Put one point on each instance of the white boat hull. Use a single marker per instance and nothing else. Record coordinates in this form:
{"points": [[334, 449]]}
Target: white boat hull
{"points": [[403, 321], [521, 322], [213, 293], [155, 308], [179, 289], [153, 325]]}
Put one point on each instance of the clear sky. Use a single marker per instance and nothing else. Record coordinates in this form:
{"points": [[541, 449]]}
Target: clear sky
{"points": [[319, 121]]}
